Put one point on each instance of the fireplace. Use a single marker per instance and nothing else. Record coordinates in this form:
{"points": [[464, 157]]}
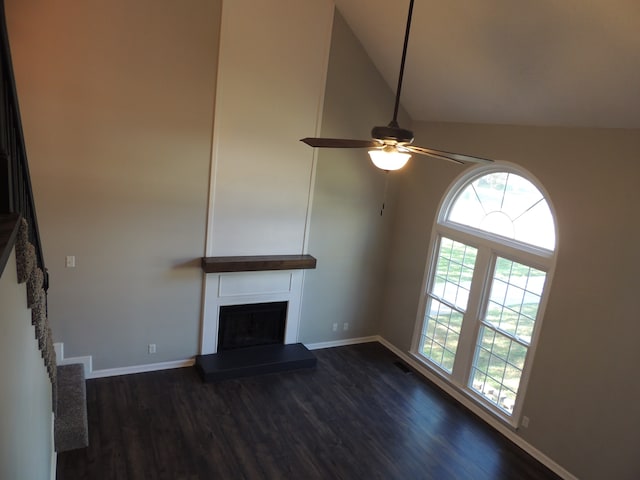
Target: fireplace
{"points": [[251, 316], [253, 324], [235, 289]]}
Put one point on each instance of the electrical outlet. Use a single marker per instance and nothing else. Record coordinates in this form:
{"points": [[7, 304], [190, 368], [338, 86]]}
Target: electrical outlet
{"points": [[345, 326], [525, 422], [70, 261], [152, 348], [335, 326]]}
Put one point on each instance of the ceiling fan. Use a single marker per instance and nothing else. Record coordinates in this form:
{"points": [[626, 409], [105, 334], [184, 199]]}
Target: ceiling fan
{"points": [[391, 146]]}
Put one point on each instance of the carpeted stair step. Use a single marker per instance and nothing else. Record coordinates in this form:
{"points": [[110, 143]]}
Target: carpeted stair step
{"points": [[71, 427]]}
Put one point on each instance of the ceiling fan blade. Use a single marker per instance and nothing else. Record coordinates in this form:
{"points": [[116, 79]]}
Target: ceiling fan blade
{"points": [[458, 158], [339, 143]]}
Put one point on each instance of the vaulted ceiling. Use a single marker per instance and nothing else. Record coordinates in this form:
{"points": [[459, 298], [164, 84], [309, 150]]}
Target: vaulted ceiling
{"points": [[537, 62]]}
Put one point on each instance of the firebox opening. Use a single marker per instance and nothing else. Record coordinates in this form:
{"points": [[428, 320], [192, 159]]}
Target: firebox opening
{"points": [[251, 325]]}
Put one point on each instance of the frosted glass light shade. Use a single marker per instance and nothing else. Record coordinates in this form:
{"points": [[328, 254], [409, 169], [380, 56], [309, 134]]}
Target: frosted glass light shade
{"points": [[388, 159]]}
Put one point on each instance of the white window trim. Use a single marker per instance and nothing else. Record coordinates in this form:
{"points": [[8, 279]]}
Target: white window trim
{"points": [[489, 247]]}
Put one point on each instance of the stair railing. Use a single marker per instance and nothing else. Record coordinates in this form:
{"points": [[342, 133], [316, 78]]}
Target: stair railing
{"points": [[16, 193]]}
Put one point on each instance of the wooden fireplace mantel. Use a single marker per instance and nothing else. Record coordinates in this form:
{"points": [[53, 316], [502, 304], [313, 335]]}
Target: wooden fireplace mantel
{"points": [[257, 263]]}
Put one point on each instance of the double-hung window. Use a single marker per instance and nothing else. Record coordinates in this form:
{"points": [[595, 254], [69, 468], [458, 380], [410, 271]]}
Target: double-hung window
{"points": [[486, 284]]}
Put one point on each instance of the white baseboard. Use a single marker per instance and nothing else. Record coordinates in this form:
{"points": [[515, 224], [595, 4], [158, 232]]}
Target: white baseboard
{"points": [[151, 367], [189, 362], [342, 343], [485, 416], [87, 361]]}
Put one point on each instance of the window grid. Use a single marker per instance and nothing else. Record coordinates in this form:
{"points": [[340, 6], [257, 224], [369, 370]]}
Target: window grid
{"points": [[454, 270], [441, 334], [497, 368], [447, 302], [505, 335]]}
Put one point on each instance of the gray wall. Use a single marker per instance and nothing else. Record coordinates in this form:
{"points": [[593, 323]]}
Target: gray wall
{"points": [[117, 106], [582, 396], [272, 65], [26, 446], [347, 234]]}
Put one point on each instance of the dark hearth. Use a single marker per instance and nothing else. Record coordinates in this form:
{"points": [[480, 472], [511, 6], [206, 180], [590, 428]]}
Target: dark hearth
{"points": [[251, 342], [245, 362]]}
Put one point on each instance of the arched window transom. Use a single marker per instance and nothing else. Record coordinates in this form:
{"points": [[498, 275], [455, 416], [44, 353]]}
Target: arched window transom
{"points": [[505, 204]]}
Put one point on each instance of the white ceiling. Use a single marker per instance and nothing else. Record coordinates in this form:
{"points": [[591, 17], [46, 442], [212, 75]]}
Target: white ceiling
{"points": [[535, 62]]}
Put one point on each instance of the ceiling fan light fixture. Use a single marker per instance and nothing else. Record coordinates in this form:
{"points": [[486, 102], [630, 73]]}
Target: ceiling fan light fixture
{"points": [[392, 145], [389, 158]]}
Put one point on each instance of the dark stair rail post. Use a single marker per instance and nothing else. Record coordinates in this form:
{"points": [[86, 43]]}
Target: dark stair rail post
{"points": [[6, 164]]}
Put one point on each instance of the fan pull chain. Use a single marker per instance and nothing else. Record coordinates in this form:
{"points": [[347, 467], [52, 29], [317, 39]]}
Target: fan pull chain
{"points": [[386, 187]]}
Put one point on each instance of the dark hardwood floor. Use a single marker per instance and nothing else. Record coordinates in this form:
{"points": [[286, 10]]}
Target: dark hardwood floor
{"points": [[356, 416]]}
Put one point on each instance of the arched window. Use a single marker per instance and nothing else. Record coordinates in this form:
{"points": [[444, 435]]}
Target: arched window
{"points": [[491, 260]]}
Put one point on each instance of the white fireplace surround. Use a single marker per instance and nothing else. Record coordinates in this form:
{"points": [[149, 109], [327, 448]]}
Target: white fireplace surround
{"points": [[239, 288]]}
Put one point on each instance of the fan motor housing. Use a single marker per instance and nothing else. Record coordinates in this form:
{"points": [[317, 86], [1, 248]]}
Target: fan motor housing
{"points": [[397, 134]]}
